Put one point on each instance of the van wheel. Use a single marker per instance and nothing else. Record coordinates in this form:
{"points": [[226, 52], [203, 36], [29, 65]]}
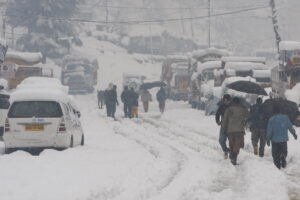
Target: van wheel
{"points": [[82, 140], [8, 150], [72, 142]]}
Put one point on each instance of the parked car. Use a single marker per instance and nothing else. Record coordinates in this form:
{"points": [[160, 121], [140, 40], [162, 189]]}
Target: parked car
{"points": [[42, 118]]}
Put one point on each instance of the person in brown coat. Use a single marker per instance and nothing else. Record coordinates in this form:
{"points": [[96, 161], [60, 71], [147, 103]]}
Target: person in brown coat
{"points": [[234, 122], [145, 98]]}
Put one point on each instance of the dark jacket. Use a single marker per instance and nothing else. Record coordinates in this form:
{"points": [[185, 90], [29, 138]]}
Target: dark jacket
{"points": [[257, 119], [234, 119], [111, 97], [161, 95], [133, 98], [220, 112], [125, 96]]}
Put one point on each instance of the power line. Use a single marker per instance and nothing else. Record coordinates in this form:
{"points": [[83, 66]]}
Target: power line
{"points": [[162, 8], [134, 22]]}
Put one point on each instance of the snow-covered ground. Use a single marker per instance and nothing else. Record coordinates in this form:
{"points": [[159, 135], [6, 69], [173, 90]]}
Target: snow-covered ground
{"points": [[157, 157]]}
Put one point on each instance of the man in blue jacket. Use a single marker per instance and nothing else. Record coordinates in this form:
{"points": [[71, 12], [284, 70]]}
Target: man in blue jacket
{"points": [[277, 132]]}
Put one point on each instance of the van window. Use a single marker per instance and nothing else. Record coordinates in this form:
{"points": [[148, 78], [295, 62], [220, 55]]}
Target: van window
{"points": [[28, 109]]}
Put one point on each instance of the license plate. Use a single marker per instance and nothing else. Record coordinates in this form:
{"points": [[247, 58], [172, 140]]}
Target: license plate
{"points": [[34, 127]]}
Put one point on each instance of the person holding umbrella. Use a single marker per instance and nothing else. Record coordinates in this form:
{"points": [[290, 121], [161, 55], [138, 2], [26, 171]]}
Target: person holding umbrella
{"points": [[277, 133]]}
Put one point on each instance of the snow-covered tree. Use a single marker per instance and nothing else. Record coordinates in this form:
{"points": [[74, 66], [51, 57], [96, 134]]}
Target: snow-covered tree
{"points": [[46, 21]]}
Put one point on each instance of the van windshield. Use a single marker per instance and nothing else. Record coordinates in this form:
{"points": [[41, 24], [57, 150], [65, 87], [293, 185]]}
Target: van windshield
{"points": [[28, 109]]}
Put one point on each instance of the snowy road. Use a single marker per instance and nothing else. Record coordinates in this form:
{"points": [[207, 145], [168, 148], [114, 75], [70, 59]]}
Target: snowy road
{"points": [[156, 157]]}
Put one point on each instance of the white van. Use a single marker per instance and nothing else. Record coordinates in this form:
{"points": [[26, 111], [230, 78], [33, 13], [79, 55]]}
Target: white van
{"points": [[41, 119]]}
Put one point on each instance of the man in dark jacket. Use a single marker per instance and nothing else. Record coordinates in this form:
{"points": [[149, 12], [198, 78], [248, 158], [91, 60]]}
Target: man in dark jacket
{"points": [[233, 123], [101, 98], [161, 98], [277, 132], [223, 105], [258, 125], [111, 100], [125, 97]]}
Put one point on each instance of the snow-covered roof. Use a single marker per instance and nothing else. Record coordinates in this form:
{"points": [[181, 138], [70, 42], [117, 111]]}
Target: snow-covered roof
{"points": [[261, 73], [289, 45], [245, 66], [212, 50], [24, 58], [208, 65], [243, 59]]}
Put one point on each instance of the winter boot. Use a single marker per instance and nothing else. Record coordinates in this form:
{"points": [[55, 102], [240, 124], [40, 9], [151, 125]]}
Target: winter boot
{"points": [[255, 150], [225, 155], [233, 158]]}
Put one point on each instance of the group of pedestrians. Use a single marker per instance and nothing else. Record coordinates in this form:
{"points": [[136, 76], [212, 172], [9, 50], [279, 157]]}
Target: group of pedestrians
{"points": [[130, 100], [234, 118]]}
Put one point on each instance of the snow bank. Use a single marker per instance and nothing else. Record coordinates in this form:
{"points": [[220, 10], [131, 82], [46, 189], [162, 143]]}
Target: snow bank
{"points": [[243, 59], [208, 65], [289, 45], [245, 66]]}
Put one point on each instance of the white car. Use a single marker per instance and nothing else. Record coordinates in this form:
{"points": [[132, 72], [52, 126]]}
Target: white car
{"points": [[41, 119]]}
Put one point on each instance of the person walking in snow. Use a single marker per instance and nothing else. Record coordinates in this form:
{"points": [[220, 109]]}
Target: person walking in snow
{"points": [[258, 125], [145, 98], [111, 100], [101, 98], [134, 103], [107, 98], [125, 97], [223, 105], [161, 98], [234, 122], [277, 133]]}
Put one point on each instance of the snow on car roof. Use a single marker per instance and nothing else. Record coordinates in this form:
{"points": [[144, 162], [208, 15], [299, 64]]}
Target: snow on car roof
{"points": [[208, 65], [243, 59], [236, 78], [244, 66], [42, 83], [25, 56], [289, 45], [39, 94], [212, 50], [261, 73]]}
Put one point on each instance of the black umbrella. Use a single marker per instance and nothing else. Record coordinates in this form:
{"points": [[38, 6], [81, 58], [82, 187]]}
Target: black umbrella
{"points": [[286, 107], [247, 87], [152, 85]]}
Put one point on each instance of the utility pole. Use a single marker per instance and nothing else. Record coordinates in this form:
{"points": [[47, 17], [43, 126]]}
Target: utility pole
{"points": [[209, 23], [4, 27], [275, 23], [150, 31], [181, 17], [106, 17], [192, 27]]}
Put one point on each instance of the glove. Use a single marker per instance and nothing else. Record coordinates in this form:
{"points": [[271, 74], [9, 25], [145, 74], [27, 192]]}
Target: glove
{"points": [[268, 142], [295, 136]]}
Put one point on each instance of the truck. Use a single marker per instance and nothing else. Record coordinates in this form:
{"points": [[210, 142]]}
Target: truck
{"points": [[133, 81], [80, 75], [170, 67], [179, 82], [286, 75], [199, 77]]}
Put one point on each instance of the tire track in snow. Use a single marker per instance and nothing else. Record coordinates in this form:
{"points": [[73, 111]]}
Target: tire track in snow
{"points": [[208, 147], [156, 148]]}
